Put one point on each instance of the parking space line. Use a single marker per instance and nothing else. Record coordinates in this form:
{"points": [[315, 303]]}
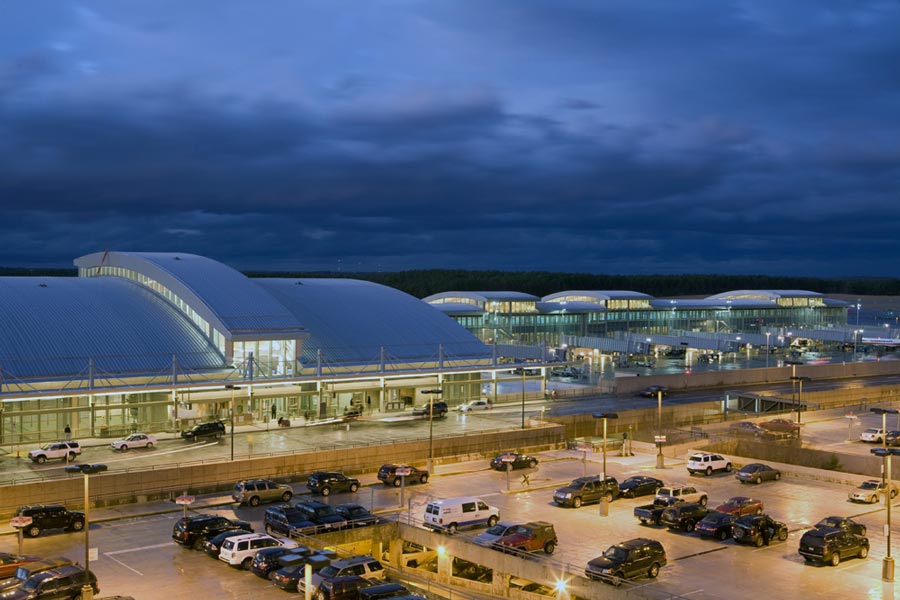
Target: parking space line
{"points": [[710, 551]]}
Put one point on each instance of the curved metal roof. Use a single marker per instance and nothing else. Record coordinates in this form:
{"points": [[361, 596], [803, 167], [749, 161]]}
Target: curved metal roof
{"points": [[53, 326], [484, 296], [712, 303], [220, 294], [765, 294], [351, 320], [458, 308], [597, 295]]}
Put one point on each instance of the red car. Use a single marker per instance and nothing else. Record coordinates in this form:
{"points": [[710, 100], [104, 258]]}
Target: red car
{"points": [[741, 505], [10, 562], [781, 426]]}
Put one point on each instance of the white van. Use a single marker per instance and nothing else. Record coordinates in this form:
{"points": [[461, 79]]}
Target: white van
{"points": [[453, 513]]}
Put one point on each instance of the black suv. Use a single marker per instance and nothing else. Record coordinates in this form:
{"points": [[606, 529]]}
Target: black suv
{"points": [[440, 409], [321, 514], [323, 482], [587, 489], [55, 584], [356, 515], [628, 560], [388, 475], [829, 545], [750, 529], [27, 570], [287, 521], [214, 429], [341, 588], [50, 516], [194, 531], [684, 516]]}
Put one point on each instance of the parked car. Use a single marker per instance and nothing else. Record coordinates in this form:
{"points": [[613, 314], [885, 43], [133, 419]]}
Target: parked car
{"points": [[321, 514], [746, 428], [843, 523], [749, 530], [530, 537], [781, 426], [135, 440], [366, 567], [830, 545], [288, 521], [293, 569], [10, 562], [356, 515], [68, 451], [482, 404], [239, 551], [440, 409], [25, 570], [872, 434], [267, 561], [741, 505], [628, 560], [451, 514], [685, 493], [585, 490], [518, 461], [254, 491], [213, 546], [684, 516], [388, 475], [871, 490], [193, 531], [50, 516], [639, 485], [652, 513], [412, 555], [757, 473], [494, 533], [716, 524], [326, 482], [345, 587], [707, 463], [892, 438], [55, 584], [383, 590], [212, 429], [653, 391]]}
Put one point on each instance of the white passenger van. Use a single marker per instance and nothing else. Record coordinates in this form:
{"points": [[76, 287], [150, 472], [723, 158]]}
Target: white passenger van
{"points": [[453, 513]]}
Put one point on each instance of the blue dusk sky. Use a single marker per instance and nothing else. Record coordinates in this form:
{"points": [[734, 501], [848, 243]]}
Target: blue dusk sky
{"points": [[621, 137]]}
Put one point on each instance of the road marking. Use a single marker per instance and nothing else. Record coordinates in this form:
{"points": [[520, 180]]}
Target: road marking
{"points": [[719, 549], [138, 549], [123, 564]]}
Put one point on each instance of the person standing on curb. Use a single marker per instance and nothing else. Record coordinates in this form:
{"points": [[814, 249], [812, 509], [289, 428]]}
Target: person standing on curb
{"points": [[68, 432]]}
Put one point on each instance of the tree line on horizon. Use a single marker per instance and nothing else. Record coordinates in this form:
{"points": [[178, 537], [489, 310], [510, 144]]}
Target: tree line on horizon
{"points": [[422, 283]]}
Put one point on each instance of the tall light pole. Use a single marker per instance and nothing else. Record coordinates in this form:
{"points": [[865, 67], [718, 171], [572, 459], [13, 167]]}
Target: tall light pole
{"points": [[523, 398], [87, 590], [768, 333], [232, 388], [887, 564], [605, 417], [660, 460], [800, 379], [431, 394], [884, 412], [858, 307]]}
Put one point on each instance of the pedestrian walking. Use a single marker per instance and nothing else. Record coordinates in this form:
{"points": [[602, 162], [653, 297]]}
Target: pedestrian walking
{"points": [[68, 432], [274, 410]]}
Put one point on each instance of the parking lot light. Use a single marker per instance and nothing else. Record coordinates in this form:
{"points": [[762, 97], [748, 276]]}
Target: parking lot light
{"points": [[887, 565], [87, 591], [884, 412], [605, 417], [800, 379]]}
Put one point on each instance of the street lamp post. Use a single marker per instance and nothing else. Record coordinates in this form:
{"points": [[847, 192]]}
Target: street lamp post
{"points": [[87, 591], [523, 398], [884, 412], [232, 388], [431, 394], [800, 379], [768, 333], [605, 417], [660, 460], [887, 564]]}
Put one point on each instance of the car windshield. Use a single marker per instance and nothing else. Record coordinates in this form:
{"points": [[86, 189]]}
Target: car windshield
{"points": [[497, 529], [616, 553], [868, 485], [45, 447], [31, 585], [329, 571]]}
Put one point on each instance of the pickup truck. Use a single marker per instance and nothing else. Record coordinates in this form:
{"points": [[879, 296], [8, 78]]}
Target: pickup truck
{"points": [[685, 493], [652, 513]]}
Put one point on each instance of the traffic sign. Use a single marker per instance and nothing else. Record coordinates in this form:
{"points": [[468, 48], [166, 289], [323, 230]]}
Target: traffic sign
{"points": [[20, 521], [185, 500], [403, 472], [659, 439], [585, 447]]}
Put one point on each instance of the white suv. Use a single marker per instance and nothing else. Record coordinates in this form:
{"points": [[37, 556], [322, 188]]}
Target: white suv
{"points": [[239, 551], [705, 462], [63, 450]]}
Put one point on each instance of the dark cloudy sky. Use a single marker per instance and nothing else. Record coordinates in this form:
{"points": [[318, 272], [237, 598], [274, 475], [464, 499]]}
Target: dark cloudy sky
{"points": [[717, 136]]}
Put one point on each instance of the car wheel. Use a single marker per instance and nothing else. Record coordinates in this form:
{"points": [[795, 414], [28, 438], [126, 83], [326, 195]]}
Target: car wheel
{"points": [[835, 559], [398, 482], [617, 579], [893, 493], [77, 525], [758, 480], [643, 521], [703, 501], [549, 547], [654, 571], [33, 531], [758, 542], [269, 529], [759, 511], [149, 445], [783, 535], [124, 448], [72, 456], [777, 476], [286, 497], [863, 552], [576, 502], [492, 520], [245, 564], [608, 497], [728, 468], [423, 479], [354, 487], [708, 471], [326, 491], [532, 463], [688, 527], [722, 535], [873, 499], [40, 459], [198, 543], [451, 528], [254, 501]]}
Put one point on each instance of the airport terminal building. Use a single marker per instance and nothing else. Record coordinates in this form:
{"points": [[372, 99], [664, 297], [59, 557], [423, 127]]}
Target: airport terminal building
{"points": [[159, 341]]}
